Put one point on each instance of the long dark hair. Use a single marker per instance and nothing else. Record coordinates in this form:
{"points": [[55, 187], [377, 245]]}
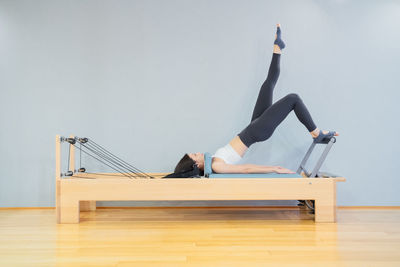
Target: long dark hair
{"points": [[186, 167], [185, 164]]}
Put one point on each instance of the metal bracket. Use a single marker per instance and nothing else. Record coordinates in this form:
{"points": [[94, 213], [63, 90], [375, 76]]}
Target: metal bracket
{"points": [[315, 172]]}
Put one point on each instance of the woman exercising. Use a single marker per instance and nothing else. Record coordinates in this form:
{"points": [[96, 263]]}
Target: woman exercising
{"points": [[266, 117]]}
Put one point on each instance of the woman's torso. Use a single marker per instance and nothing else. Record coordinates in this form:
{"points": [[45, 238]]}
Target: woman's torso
{"points": [[227, 154]]}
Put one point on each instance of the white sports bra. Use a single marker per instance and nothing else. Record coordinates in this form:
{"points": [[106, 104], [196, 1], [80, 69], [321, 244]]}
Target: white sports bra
{"points": [[227, 154]]}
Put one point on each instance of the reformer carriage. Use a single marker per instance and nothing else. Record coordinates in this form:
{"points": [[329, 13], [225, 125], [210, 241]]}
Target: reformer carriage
{"points": [[78, 190]]}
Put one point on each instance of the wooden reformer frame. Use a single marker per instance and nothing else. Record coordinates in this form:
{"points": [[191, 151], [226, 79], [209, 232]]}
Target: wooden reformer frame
{"points": [[75, 194]]}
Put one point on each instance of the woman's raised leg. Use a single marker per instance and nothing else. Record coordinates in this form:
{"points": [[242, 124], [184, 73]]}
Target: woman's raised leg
{"points": [[265, 95]]}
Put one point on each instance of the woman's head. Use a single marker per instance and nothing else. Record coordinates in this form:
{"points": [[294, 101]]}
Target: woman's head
{"points": [[188, 160]]}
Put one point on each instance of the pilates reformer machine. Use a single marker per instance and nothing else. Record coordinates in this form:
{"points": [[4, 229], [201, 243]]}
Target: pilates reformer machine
{"points": [[77, 189]]}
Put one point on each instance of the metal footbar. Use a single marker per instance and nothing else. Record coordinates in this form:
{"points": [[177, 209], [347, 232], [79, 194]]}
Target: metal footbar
{"points": [[315, 173]]}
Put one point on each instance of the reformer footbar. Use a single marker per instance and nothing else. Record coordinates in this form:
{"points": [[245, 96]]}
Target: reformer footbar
{"points": [[315, 173]]}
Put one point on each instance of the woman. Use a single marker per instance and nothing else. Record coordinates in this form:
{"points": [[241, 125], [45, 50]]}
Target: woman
{"points": [[266, 117]]}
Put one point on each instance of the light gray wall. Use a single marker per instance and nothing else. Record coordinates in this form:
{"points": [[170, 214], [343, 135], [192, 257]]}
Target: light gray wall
{"points": [[154, 79]]}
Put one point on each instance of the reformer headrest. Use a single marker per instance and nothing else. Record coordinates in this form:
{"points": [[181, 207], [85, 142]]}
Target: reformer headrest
{"points": [[207, 164]]}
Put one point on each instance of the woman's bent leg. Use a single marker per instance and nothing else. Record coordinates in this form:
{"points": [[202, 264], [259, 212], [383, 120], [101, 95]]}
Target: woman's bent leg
{"points": [[262, 127], [265, 95]]}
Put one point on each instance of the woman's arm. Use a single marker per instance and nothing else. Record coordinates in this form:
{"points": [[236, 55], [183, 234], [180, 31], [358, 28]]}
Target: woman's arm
{"points": [[222, 167]]}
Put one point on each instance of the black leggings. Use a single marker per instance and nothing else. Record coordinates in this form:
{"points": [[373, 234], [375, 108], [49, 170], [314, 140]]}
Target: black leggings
{"points": [[267, 116]]}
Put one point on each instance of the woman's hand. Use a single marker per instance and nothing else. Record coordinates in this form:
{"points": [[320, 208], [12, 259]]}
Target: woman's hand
{"points": [[279, 169]]}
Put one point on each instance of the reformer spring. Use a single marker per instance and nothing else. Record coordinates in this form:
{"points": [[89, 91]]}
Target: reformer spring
{"points": [[104, 156]]}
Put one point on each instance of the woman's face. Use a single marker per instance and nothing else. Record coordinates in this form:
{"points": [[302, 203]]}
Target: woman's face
{"points": [[198, 158]]}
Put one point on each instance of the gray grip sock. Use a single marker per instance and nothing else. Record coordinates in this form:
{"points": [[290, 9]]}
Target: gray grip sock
{"points": [[278, 40]]}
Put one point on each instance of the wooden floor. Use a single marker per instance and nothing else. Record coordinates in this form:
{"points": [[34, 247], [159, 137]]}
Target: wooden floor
{"points": [[200, 237]]}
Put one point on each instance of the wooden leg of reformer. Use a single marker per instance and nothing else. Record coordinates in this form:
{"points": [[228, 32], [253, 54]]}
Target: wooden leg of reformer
{"points": [[325, 205], [68, 210], [88, 205]]}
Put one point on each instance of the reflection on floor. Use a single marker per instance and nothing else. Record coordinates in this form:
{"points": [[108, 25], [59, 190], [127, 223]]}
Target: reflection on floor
{"points": [[200, 237]]}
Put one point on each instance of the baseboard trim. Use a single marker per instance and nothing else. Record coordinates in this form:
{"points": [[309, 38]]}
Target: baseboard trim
{"points": [[26, 208], [206, 207], [213, 207]]}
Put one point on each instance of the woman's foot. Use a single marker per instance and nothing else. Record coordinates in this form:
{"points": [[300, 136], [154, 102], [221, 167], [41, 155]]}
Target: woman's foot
{"points": [[278, 39], [319, 135]]}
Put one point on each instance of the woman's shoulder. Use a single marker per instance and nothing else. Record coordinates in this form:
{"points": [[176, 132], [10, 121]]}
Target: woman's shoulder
{"points": [[217, 160], [216, 164]]}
